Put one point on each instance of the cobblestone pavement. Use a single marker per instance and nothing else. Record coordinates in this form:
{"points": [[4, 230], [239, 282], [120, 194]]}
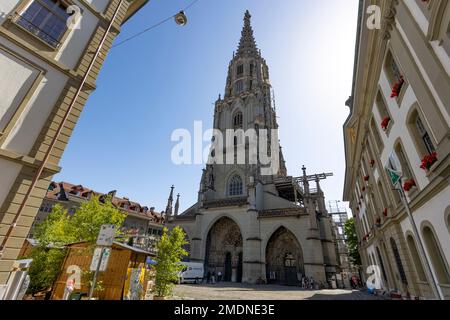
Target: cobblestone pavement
{"points": [[233, 291]]}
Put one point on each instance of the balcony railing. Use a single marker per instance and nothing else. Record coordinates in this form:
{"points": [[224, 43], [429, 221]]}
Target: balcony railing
{"points": [[26, 24]]}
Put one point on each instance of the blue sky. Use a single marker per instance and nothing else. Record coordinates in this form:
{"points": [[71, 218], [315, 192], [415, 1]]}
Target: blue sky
{"points": [[170, 77]]}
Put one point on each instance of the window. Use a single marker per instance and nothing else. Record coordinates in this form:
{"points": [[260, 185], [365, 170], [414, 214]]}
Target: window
{"points": [[415, 258], [235, 186], [376, 135], [380, 259], [237, 120], [403, 161], [240, 70], [46, 19], [425, 137], [381, 105], [420, 133], [398, 261], [239, 86], [436, 256], [251, 69]]}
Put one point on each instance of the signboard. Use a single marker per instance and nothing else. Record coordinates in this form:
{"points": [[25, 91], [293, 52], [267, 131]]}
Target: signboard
{"points": [[96, 258], [106, 235]]}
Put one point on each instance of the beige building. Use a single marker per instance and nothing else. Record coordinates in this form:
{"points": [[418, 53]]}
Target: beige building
{"points": [[399, 118], [44, 59], [141, 228], [253, 227]]}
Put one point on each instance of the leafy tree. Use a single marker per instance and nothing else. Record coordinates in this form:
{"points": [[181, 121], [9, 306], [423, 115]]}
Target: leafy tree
{"points": [[170, 254], [352, 241], [61, 229]]}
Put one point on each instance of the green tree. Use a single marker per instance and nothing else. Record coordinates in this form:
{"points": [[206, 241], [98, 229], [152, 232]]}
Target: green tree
{"points": [[168, 266], [352, 241], [61, 229]]}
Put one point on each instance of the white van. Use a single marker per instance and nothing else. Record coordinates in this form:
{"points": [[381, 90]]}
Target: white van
{"points": [[192, 272]]}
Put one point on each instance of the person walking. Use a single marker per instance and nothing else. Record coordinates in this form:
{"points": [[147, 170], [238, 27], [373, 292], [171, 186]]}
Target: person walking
{"points": [[213, 277], [208, 277], [219, 276]]}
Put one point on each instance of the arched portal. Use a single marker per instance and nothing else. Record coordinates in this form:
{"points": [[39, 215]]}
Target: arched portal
{"points": [[284, 258], [224, 250]]}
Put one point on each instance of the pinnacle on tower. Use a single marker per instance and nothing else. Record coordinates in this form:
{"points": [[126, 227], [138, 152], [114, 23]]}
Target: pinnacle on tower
{"points": [[177, 204], [170, 202], [247, 44]]}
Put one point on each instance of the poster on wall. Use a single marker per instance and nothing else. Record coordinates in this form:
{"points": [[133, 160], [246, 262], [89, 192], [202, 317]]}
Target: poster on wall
{"points": [[134, 284]]}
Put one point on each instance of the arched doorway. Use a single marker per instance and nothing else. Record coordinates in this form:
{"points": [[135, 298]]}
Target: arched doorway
{"points": [[224, 250], [284, 258], [187, 247]]}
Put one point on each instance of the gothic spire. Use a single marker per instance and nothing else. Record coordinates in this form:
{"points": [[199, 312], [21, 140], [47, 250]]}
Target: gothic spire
{"points": [[170, 202], [247, 44]]}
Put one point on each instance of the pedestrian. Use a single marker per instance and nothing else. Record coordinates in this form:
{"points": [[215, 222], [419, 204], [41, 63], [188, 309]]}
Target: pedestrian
{"points": [[208, 277], [219, 276], [213, 277]]}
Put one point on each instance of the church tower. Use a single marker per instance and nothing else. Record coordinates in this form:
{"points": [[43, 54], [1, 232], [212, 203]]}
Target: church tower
{"points": [[247, 104], [248, 224]]}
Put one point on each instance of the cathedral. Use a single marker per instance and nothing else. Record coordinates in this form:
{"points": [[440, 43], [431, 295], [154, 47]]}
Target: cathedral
{"points": [[251, 227]]}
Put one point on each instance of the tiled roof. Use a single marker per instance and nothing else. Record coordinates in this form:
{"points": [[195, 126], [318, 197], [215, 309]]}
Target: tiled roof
{"points": [[83, 193]]}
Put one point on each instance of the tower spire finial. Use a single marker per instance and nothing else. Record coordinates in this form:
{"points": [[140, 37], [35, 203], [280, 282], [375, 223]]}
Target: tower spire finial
{"points": [[247, 44]]}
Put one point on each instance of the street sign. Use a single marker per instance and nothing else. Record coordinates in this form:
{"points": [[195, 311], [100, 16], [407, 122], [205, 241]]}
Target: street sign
{"points": [[106, 235], [394, 175], [96, 258]]}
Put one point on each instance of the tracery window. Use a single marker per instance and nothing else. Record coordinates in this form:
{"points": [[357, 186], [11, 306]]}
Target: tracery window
{"points": [[235, 186]]}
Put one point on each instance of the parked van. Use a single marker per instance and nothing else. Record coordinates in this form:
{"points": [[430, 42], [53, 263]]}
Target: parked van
{"points": [[192, 272]]}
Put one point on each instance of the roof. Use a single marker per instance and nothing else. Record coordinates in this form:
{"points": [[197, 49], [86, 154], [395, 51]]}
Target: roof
{"points": [[80, 193], [134, 7]]}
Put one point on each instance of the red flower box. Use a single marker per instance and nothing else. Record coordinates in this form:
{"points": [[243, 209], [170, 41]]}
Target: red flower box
{"points": [[366, 178], [428, 161], [378, 220], [385, 123], [363, 189], [397, 87], [385, 212], [372, 163], [408, 185]]}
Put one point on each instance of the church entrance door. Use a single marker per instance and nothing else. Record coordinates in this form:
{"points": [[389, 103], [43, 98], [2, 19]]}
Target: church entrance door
{"points": [[239, 268], [228, 268], [223, 245], [284, 258]]}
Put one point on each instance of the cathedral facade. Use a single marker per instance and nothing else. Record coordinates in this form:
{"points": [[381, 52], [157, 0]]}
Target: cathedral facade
{"points": [[254, 227]]}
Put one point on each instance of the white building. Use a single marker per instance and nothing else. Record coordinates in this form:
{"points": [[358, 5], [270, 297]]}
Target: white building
{"points": [[43, 61], [399, 116]]}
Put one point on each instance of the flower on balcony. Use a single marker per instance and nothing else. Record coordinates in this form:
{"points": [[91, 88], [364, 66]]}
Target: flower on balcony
{"points": [[385, 123], [385, 212], [366, 178], [428, 161], [378, 220], [372, 163], [397, 87], [408, 185]]}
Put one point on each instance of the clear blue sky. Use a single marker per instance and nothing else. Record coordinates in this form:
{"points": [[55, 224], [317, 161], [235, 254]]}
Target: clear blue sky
{"points": [[170, 77]]}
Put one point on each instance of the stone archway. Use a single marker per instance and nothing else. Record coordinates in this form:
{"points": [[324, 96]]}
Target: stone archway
{"points": [[284, 258], [224, 250]]}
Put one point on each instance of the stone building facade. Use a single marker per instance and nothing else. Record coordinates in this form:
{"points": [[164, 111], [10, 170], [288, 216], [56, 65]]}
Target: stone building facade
{"points": [[142, 226], [250, 226], [399, 119], [43, 63]]}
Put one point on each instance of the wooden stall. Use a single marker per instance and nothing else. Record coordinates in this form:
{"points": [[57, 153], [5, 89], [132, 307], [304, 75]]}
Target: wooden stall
{"points": [[113, 280]]}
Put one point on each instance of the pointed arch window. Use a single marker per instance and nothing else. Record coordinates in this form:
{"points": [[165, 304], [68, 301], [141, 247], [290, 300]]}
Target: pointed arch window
{"points": [[235, 186], [237, 120]]}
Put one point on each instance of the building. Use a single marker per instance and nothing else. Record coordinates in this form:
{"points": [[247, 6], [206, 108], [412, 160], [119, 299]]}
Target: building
{"points": [[399, 118], [142, 226], [45, 78], [252, 227]]}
